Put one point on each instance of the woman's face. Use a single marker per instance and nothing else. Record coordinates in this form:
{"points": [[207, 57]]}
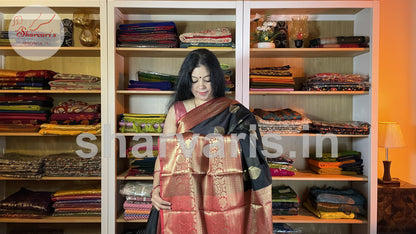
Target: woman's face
{"points": [[201, 84]]}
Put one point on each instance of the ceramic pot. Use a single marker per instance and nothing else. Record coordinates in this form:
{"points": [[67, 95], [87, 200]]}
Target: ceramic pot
{"points": [[265, 45]]}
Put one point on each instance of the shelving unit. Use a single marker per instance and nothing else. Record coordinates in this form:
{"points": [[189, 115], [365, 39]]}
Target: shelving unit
{"points": [[124, 63], [329, 19], [76, 60]]}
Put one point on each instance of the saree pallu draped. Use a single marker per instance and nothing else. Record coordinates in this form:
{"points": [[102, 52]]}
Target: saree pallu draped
{"points": [[215, 186]]}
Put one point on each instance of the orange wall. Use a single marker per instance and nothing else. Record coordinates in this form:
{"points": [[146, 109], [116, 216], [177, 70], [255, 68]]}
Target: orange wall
{"points": [[397, 84]]}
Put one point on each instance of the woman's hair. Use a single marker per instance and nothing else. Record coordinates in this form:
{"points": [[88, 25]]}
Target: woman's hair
{"points": [[195, 59]]}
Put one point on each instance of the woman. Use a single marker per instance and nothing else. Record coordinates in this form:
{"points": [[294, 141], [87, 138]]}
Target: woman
{"points": [[206, 182]]}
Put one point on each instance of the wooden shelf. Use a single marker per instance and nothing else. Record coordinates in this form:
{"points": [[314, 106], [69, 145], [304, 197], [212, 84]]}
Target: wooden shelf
{"points": [[123, 175], [36, 134], [306, 52], [144, 92], [62, 52], [51, 219], [12, 6], [307, 217], [308, 11], [131, 134], [170, 52], [52, 91], [314, 135], [121, 219], [306, 175], [53, 178], [308, 93], [21, 134]]}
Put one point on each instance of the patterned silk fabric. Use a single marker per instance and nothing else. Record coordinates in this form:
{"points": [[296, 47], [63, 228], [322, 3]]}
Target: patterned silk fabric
{"points": [[206, 177]]}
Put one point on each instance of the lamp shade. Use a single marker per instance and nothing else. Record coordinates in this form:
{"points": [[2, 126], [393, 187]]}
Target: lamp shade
{"points": [[390, 135]]}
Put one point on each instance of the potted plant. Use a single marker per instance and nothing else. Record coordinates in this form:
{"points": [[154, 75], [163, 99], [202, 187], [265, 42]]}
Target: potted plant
{"points": [[264, 34]]}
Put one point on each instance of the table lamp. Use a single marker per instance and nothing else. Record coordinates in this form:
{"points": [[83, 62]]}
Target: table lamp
{"points": [[389, 136]]}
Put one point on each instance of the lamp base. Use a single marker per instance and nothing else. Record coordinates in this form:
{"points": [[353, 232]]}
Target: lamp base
{"points": [[394, 182]]}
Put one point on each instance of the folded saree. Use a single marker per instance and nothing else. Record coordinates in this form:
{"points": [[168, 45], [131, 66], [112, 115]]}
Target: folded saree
{"points": [[76, 197], [327, 214], [320, 164], [72, 106], [327, 170], [217, 35], [137, 206], [38, 202], [77, 192], [334, 195], [333, 207], [69, 129], [215, 194]]}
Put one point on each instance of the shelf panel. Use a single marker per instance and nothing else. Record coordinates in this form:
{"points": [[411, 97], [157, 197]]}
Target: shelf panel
{"points": [[144, 92], [314, 135], [308, 93], [123, 175], [62, 52], [53, 220], [307, 217], [52, 91], [121, 219], [21, 134], [308, 11], [53, 178], [306, 52], [131, 134], [9, 5], [36, 134], [306, 175], [170, 52]]}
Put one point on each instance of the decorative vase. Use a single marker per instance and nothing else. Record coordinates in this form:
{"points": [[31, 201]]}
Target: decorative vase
{"points": [[298, 43], [265, 45], [299, 30]]}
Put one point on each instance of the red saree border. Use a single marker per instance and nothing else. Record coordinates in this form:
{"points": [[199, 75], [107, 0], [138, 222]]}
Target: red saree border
{"points": [[203, 112]]}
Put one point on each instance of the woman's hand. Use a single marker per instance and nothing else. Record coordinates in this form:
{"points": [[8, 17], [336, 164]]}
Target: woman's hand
{"points": [[158, 202]]}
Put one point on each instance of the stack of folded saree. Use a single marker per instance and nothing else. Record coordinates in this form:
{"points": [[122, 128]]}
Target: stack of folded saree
{"points": [[26, 80], [21, 166], [80, 202], [145, 85], [154, 34], [73, 118], [75, 82], [138, 203], [149, 80], [272, 78], [227, 76], [4, 38], [280, 121], [343, 128], [26, 204], [332, 203], [340, 42], [345, 163], [142, 123], [23, 113], [284, 228], [285, 201], [71, 165], [145, 163], [337, 82], [218, 37], [281, 166]]}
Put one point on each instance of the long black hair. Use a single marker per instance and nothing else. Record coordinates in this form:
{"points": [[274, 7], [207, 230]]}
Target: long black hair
{"points": [[195, 59]]}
